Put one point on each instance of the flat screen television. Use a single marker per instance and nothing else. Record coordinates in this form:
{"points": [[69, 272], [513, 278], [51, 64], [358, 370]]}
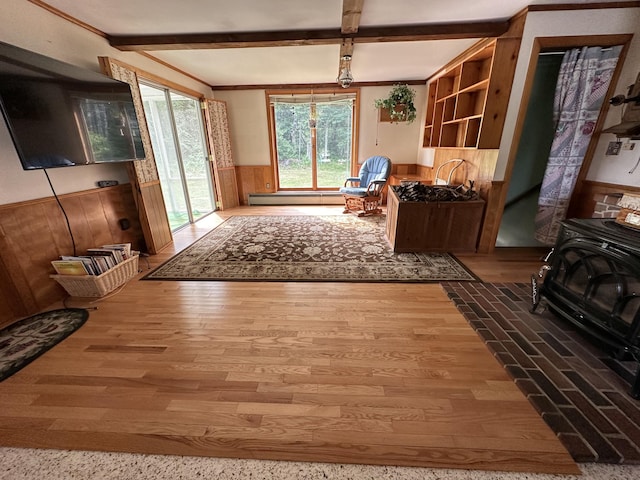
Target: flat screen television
{"points": [[61, 115]]}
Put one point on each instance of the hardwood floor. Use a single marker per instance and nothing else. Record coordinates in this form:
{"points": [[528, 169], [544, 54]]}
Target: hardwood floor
{"points": [[387, 374]]}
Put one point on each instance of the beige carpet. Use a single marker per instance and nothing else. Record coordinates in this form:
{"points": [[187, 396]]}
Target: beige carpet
{"points": [[29, 464]]}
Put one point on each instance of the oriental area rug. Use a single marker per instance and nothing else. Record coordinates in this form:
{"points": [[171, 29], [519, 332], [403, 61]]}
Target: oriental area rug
{"points": [[332, 248], [27, 339]]}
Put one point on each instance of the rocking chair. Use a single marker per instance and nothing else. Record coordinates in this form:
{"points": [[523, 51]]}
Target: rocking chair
{"points": [[363, 194]]}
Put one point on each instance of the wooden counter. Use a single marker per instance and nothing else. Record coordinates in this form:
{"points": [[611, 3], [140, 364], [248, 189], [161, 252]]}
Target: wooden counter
{"points": [[433, 226]]}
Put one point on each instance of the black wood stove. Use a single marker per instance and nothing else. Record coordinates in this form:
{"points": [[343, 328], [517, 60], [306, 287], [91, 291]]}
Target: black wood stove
{"points": [[593, 280]]}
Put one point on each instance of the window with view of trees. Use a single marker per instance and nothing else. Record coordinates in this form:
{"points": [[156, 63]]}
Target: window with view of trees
{"points": [[313, 139], [177, 135]]}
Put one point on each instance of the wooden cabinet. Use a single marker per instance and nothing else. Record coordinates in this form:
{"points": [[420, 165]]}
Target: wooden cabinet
{"points": [[433, 226], [467, 103]]}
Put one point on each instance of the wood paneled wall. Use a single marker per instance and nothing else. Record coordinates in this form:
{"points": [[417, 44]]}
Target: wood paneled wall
{"points": [[254, 179], [478, 166], [155, 227], [404, 169], [35, 232], [228, 190]]}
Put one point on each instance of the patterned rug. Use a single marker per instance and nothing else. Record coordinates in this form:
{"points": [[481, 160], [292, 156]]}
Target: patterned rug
{"points": [[335, 248], [27, 339]]}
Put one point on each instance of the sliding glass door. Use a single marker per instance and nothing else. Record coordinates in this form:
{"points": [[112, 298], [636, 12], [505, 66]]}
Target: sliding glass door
{"points": [[313, 139], [178, 139]]}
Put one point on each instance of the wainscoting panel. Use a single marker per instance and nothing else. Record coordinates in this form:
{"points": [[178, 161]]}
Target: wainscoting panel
{"points": [[228, 187], [154, 217], [403, 168], [35, 232], [254, 179]]}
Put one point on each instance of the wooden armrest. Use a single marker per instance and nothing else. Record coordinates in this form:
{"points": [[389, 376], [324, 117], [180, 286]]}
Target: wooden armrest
{"points": [[352, 180]]}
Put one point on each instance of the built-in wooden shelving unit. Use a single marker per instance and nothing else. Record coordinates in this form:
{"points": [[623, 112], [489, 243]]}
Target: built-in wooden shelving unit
{"points": [[457, 100]]}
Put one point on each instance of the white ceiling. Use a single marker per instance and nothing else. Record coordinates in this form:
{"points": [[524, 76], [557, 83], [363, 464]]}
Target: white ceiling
{"points": [[372, 62]]}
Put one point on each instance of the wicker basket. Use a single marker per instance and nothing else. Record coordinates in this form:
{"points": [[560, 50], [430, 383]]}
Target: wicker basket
{"points": [[99, 285]]}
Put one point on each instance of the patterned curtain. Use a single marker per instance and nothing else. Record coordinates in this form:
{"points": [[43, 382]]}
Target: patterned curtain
{"points": [[582, 85]]}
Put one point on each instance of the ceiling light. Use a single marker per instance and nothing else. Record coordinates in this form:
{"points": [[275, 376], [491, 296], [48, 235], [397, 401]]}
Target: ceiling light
{"points": [[345, 78]]}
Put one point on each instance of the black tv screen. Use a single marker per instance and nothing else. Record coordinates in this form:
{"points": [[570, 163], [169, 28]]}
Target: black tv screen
{"points": [[60, 115]]}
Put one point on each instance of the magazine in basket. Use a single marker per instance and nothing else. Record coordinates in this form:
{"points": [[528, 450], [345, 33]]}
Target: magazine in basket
{"points": [[105, 269]]}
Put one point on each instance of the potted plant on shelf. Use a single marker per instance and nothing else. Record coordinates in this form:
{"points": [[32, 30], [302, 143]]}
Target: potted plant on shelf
{"points": [[399, 103]]}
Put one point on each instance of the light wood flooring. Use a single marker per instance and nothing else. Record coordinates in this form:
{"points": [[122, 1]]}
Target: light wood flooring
{"points": [[386, 374]]}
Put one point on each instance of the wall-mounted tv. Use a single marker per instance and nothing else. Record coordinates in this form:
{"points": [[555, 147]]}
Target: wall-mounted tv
{"points": [[61, 115]]}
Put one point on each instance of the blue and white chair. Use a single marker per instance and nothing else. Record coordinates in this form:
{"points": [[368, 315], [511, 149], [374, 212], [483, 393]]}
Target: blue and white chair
{"points": [[363, 194]]}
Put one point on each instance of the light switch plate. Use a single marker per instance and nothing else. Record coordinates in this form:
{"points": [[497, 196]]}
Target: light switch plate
{"points": [[614, 148]]}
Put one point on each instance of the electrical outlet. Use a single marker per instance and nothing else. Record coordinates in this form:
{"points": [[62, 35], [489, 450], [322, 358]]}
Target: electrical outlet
{"points": [[628, 146], [268, 185], [107, 183]]}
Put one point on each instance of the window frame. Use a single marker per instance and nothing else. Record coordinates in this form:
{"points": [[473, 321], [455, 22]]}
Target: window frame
{"points": [[272, 132]]}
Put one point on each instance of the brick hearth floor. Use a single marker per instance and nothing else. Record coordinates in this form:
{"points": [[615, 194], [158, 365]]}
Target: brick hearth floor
{"points": [[570, 381]]}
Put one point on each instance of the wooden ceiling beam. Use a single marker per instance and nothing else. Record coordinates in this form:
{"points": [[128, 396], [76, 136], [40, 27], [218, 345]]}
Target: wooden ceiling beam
{"points": [[346, 48], [404, 33], [351, 12]]}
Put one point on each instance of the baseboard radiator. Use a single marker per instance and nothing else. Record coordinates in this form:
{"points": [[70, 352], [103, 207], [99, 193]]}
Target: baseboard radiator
{"points": [[296, 198]]}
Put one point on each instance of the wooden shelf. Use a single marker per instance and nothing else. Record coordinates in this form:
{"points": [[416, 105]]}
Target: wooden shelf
{"points": [[481, 85], [449, 109], [458, 100]]}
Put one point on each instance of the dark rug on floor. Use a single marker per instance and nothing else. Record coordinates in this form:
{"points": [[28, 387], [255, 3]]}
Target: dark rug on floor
{"points": [[578, 389], [25, 340], [331, 248]]}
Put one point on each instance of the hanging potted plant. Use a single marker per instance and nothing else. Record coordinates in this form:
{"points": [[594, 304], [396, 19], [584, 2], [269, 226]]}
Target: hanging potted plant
{"points": [[399, 103]]}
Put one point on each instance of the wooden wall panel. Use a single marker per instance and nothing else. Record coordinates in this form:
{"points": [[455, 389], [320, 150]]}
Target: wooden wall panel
{"points": [[404, 169], [156, 219], [424, 171], [479, 166], [11, 306], [35, 232], [228, 187], [505, 58], [254, 179], [492, 217]]}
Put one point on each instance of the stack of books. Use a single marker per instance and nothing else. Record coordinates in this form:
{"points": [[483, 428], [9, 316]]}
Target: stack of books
{"points": [[96, 262]]}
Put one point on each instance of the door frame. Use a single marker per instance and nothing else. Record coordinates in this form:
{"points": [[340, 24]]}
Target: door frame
{"points": [[541, 44], [272, 134]]}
